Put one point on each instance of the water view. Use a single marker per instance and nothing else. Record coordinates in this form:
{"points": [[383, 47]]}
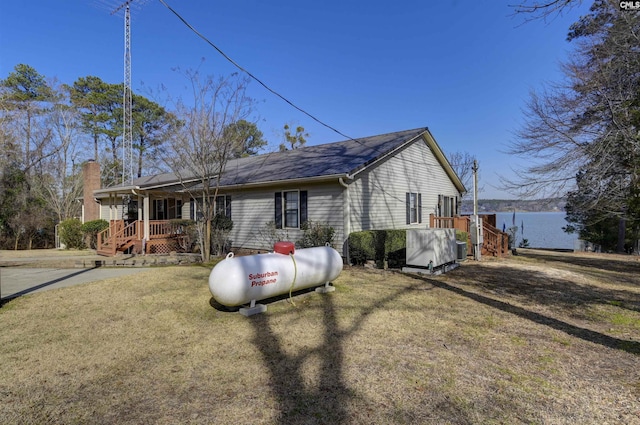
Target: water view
{"points": [[541, 229]]}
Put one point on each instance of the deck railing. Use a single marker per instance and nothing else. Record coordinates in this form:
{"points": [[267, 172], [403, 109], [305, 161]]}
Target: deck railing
{"points": [[495, 242], [461, 223], [118, 234]]}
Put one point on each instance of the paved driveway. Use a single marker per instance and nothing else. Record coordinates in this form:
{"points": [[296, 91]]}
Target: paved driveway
{"points": [[18, 281]]}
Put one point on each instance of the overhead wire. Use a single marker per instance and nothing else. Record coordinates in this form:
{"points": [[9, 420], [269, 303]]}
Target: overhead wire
{"points": [[241, 68], [199, 34]]}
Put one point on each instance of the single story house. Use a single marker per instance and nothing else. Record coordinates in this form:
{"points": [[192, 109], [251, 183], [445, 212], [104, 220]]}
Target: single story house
{"points": [[389, 181]]}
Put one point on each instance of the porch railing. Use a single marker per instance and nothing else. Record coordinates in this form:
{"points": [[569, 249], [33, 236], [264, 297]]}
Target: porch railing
{"points": [[495, 242], [118, 235]]}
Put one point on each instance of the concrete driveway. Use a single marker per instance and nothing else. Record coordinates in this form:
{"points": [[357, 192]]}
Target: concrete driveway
{"points": [[18, 281]]}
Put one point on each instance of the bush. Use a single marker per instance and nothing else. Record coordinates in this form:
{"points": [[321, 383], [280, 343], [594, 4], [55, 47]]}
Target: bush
{"points": [[268, 234], [71, 234], [378, 245], [90, 230], [221, 226], [187, 229], [316, 234]]}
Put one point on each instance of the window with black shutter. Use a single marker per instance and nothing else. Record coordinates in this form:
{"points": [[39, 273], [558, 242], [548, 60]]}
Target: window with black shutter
{"points": [[291, 209]]}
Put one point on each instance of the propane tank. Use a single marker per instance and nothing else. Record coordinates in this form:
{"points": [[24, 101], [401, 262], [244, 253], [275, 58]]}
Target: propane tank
{"points": [[240, 280]]}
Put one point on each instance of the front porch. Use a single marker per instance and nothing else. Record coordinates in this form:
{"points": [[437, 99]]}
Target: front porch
{"points": [[495, 242], [162, 237]]}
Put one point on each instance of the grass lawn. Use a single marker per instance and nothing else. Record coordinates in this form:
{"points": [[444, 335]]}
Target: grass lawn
{"points": [[540, 338]]}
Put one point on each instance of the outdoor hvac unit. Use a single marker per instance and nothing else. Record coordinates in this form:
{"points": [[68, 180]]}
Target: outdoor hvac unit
{"points": [[462, 251], [431, 248]]}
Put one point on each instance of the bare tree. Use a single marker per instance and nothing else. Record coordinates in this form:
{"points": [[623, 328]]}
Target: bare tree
{"points": [[201, 148], [60, 183], [462, 163], [547, 9], [581, 136]]}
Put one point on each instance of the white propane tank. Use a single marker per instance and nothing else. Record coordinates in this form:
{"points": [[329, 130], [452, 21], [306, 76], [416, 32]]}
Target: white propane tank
{"points": [[239, 280]]}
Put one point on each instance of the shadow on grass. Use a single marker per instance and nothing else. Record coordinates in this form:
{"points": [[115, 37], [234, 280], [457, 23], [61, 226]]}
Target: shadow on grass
{"points": [[627, 270], [540, 287], [602, 262], [576, 331], [43, 285], [327, 402]]}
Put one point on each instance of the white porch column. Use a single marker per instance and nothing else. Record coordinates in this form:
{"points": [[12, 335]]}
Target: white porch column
{"points": [[146, 215]]}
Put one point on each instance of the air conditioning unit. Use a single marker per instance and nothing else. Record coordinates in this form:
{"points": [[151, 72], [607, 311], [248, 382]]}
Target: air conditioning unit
{"points": [[461, 250]]}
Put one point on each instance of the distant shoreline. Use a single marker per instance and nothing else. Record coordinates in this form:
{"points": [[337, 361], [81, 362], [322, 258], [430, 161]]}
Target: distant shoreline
{"points": [[488, 206]]}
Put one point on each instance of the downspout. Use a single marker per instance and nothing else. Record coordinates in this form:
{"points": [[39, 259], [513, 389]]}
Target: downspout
{"points": [[346, 210]]}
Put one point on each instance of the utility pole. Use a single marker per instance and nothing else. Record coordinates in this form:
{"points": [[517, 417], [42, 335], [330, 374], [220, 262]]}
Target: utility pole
{"points": [[127, 101], [476, 236]]}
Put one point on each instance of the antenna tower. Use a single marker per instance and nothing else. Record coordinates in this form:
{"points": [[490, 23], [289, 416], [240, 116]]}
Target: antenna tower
{"points": [[127, 101]]}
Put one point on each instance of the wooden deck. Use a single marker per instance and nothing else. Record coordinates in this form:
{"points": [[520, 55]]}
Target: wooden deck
{"points": [[164, 237], [495, 243]]}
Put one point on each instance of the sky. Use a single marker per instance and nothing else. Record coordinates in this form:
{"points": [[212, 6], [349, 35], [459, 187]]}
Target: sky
{"points": [[462, 68]]}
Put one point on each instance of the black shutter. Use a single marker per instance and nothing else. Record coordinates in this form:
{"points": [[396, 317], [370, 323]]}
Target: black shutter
{"points": [[303, 207], [408, 208], [278, 218], [419, 207], [227, 201]]}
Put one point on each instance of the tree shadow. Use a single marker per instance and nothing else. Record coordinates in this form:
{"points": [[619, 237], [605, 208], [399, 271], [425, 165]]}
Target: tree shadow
{"points": [[328, 401], [540, 287], [592, 266], [632, 347], [26, 291]]}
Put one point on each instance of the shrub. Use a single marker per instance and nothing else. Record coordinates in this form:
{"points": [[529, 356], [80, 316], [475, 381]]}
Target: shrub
{"points": [[90, 230], [221, 226], [316, 234], [462, 236], [71, 234], [268, 234], [187, 229], [378, 245]]}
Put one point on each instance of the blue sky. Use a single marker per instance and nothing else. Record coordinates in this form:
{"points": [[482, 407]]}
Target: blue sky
{"points": [[462, 68]]}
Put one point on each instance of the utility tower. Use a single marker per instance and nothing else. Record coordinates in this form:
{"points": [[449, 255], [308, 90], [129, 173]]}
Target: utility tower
{"points": [[127, 101]]}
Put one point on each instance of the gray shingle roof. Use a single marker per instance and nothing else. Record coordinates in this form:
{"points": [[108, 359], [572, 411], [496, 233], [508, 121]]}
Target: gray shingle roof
{"points": [[329, 159]]}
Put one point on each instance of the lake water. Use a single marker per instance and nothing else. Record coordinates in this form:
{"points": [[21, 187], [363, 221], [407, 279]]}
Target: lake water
{"points": [[542, 229]]}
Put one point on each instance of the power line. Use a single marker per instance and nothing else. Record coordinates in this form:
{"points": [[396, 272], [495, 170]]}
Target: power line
{"points": [[184, 21], [199, 34]]}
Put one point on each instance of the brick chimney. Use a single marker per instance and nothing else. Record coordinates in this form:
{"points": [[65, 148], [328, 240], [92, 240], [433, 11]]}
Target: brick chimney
{"points": [[91, 180]]}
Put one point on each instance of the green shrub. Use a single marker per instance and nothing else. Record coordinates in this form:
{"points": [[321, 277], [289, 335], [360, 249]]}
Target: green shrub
{"points": [[462, 236], [71, 234], [90, 230], [378, 245], [316, 234]]}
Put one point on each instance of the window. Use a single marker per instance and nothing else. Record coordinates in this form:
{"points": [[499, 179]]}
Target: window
{"points": [[223, 205], [159, 209], [290, 209], [414, 208], [447, 206], [166, 209]]}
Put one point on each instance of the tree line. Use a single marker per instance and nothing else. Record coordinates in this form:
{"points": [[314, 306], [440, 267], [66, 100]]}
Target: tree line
{"points": [[49, 129], [581, 135]]}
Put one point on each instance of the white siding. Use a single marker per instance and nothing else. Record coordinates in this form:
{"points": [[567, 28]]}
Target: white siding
{"points": [[378, 195], [251, 210], [105, 208]]}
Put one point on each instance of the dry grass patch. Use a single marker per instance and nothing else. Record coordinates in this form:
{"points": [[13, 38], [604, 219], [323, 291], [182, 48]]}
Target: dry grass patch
{"points": [[495, 342], [45, 253]]}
